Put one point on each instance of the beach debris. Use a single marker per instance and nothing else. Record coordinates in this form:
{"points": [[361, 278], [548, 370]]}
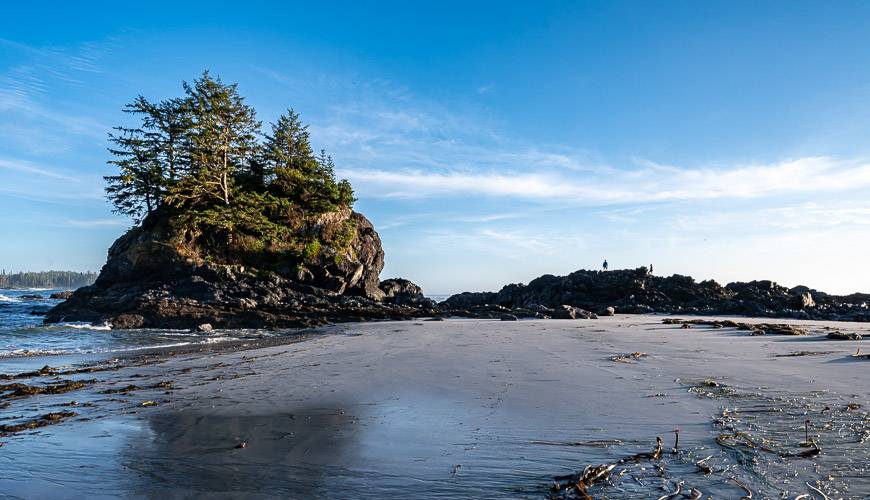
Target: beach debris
{"points": [[858, 354], [824, 497], [601, 443], [795, 354], [580, 483], [752, 328], [838, 335], [149, 403], [676, 448], [204, 328], [455, 470], [241, 445], [18, 390], [703, 466], [675, 494], [748, 495], [628, 357], [122, 390], [715, 323], [41, 421]]}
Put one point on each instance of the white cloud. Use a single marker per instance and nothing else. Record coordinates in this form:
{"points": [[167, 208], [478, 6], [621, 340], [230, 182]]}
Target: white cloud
{"points": [[32, 168], [647, 183], [96, 223]]}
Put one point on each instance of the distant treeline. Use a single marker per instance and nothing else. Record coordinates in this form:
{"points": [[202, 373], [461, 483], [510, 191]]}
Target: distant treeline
{"points": [[46, 279]]}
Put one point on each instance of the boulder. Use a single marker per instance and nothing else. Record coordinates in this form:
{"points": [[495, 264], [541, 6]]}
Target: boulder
{"points": [[608, 311], [571, 312], [400, 291], [204, 328], [802, 300], [61, 295], [127, 321], [508, 317]]}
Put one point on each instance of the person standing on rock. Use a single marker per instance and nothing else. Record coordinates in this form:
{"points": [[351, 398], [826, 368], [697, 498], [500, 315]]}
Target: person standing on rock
{"points": [[604, 265], [650, 269]]}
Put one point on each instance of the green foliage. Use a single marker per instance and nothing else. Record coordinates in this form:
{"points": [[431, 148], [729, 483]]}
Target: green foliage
{"points": [[198, 160], [47, 279]]}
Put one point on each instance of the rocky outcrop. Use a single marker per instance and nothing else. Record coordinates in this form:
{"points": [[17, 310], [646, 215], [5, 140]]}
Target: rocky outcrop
{"points": [[403, 292], [148, 282], [638, 291]]}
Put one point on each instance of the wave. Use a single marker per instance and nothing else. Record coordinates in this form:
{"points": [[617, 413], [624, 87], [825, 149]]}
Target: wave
{"points": [[86, 326], [17, 353], [5, 298]]}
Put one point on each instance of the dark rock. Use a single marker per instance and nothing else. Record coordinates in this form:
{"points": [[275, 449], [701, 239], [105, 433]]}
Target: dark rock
{"points": [[466, 300], [403, 292], [147, 282], [508, 317], [31, 296], [803, 300], [636, 291], [127, 321], [61, 295]]}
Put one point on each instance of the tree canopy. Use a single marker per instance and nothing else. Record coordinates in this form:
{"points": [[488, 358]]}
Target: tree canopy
{"points": [[207, 148], [202, 162]]}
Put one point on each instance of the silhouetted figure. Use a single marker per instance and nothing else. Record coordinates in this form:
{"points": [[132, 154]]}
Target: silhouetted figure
{"points": [[650, 269], [604, 265]]}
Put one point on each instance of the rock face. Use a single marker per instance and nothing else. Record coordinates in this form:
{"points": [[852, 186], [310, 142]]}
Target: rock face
{"points": [[403, 292], [637, 291], [147, 283]]}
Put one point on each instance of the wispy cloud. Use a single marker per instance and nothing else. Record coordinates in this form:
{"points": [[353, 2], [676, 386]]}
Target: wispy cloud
{"points": [[647, 183], [32, 168], [97, 223]]}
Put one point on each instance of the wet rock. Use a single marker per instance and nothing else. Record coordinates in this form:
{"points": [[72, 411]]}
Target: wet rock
{"points": [[61, 295], [508, 317], [204, 328], [128, 321]]}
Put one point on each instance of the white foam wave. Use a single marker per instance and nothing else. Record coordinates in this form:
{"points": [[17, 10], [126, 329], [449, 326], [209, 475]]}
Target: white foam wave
{"points": [[86, 326], [34, 352], [4, 298]]}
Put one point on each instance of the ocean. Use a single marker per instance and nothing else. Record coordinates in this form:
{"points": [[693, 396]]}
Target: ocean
{"points": [[22, 333]]}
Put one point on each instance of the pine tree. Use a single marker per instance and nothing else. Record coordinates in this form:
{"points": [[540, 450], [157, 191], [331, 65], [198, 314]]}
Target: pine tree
{"points": [[298, 174], [222, 141], [137, 190], [167, 126]]}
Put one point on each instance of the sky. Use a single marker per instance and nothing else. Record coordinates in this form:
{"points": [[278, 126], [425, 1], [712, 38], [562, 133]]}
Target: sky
{"points": [[488, 142]]}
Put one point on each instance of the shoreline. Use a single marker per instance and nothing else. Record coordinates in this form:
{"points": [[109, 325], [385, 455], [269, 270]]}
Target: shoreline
{"points": [[450, 408]]}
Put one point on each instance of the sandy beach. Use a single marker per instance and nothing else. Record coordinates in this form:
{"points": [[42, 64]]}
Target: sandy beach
{"points": [[458, 408]]}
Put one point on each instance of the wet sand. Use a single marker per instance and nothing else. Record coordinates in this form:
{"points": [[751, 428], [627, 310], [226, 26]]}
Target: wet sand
{"points": [[458, 408]]}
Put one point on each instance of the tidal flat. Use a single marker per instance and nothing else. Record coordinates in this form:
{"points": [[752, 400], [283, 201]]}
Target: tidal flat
{"points": [[456, 408]]}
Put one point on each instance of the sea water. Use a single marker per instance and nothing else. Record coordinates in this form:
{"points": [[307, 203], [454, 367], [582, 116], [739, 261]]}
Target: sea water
{"points": [[23, 334]]}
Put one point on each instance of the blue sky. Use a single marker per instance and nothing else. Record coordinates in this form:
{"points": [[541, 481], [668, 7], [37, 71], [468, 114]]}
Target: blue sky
{"points": [[489, 143]]}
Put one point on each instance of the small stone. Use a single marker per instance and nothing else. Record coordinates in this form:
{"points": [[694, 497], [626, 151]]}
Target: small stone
{"points": [[204, 328]]}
